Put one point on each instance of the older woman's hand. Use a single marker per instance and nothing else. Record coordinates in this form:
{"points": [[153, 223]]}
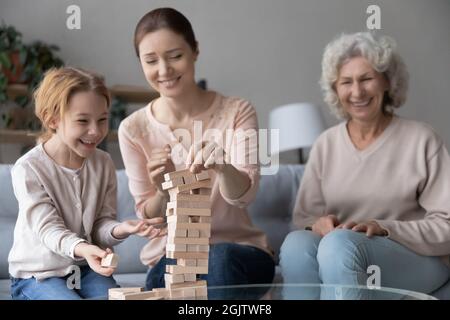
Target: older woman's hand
{"points": [[371, 228], [325, 224]]}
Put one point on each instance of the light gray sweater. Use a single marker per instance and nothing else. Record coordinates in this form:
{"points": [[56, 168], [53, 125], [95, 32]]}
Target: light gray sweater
{"points": [[402, 181], [59, 208]]}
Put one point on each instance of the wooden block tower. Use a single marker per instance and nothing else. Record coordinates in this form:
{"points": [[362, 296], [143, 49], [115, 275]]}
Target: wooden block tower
{"points": [[189, 229]]}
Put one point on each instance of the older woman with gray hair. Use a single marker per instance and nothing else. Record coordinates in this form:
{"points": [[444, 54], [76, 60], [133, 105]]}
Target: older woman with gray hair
{"points": [[376, 187]]}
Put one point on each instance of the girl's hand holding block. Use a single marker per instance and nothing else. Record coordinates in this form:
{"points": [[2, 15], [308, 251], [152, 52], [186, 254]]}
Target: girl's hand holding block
{"points": [[94, 256]]}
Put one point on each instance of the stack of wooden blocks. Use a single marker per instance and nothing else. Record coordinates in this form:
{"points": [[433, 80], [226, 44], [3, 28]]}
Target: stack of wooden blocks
{"points": [[189, 229]]}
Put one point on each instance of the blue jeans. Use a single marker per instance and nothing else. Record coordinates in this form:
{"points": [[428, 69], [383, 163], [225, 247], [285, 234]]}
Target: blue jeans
{"points": [[92, 285], [229, 264], [343, 257]]}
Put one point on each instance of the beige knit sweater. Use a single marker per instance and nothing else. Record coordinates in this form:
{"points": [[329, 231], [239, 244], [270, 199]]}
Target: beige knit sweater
{"points": [[57, 209], [402, 181]]}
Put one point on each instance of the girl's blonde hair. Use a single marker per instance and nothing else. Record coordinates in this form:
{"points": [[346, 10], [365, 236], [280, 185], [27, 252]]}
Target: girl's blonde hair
{"points": [[54, 92]]}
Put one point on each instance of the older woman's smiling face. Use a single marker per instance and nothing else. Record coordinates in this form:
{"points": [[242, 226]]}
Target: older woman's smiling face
{"points": [[361, 89]]}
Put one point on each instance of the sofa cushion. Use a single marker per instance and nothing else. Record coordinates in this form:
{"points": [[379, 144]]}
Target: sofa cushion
{"points": [[9, 206], [272, 209], [129, 250], [6, 240], [5, 289], [125, 201]]}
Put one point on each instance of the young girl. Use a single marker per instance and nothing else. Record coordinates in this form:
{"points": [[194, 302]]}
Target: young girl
{"points": [[66, 189]]}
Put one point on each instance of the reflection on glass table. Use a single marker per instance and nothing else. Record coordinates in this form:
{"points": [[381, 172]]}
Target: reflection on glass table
{"points": [[311, 292]]}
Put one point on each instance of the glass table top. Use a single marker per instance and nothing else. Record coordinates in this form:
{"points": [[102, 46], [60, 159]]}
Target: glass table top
{"points": [[311, 292]]}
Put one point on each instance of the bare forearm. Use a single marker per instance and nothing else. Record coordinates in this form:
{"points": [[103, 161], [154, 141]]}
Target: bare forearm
{"points": [[155, 206], [233, 183]]}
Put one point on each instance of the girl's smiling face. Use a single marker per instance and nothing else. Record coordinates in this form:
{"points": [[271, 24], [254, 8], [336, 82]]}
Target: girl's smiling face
{"points": [[84, 126]]}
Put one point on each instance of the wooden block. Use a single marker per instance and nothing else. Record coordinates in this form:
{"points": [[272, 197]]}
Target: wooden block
{"points": [[155, 298], [190, 277], [189, 293], [187, 263], [189, 212], [197, 248], [189, 226], [177, 233], [187, 255], [202, 248], [181, 286], [196, 185], [174, 278], [188, 241], [126, 289], [204, 219], [171, 247], [196, 284], [117, 293], [173, 193], [161, 292], [202, 262], [202, 175], [204, 233], [110, 261], [189, 204], [177, 219], [175, 269], [172, 183], [190, 197], [188, 179], [175, 294], [140, 295], [201, 291], [193, 233], [176, 174]]}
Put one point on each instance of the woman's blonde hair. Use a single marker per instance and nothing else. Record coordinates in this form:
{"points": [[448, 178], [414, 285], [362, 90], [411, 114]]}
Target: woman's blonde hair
{"points": [[382, 54], [53, 94]]}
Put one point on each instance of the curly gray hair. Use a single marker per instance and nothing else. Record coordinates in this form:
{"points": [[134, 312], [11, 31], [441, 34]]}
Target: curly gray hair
{"points": [[380, 51]]}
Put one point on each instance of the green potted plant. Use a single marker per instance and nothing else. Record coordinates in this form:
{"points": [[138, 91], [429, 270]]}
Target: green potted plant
{"points": [[12, 58], [22, 63]]}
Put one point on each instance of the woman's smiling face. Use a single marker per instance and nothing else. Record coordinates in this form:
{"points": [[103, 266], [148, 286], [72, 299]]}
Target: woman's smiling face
{"points": [[361, 89], [168, 62]]}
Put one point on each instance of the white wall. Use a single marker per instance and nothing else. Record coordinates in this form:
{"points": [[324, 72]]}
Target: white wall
{"points": [[268, 51]]}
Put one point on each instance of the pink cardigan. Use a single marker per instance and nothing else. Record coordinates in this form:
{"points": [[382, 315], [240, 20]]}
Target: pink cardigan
{"points": [[141, 132]]}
